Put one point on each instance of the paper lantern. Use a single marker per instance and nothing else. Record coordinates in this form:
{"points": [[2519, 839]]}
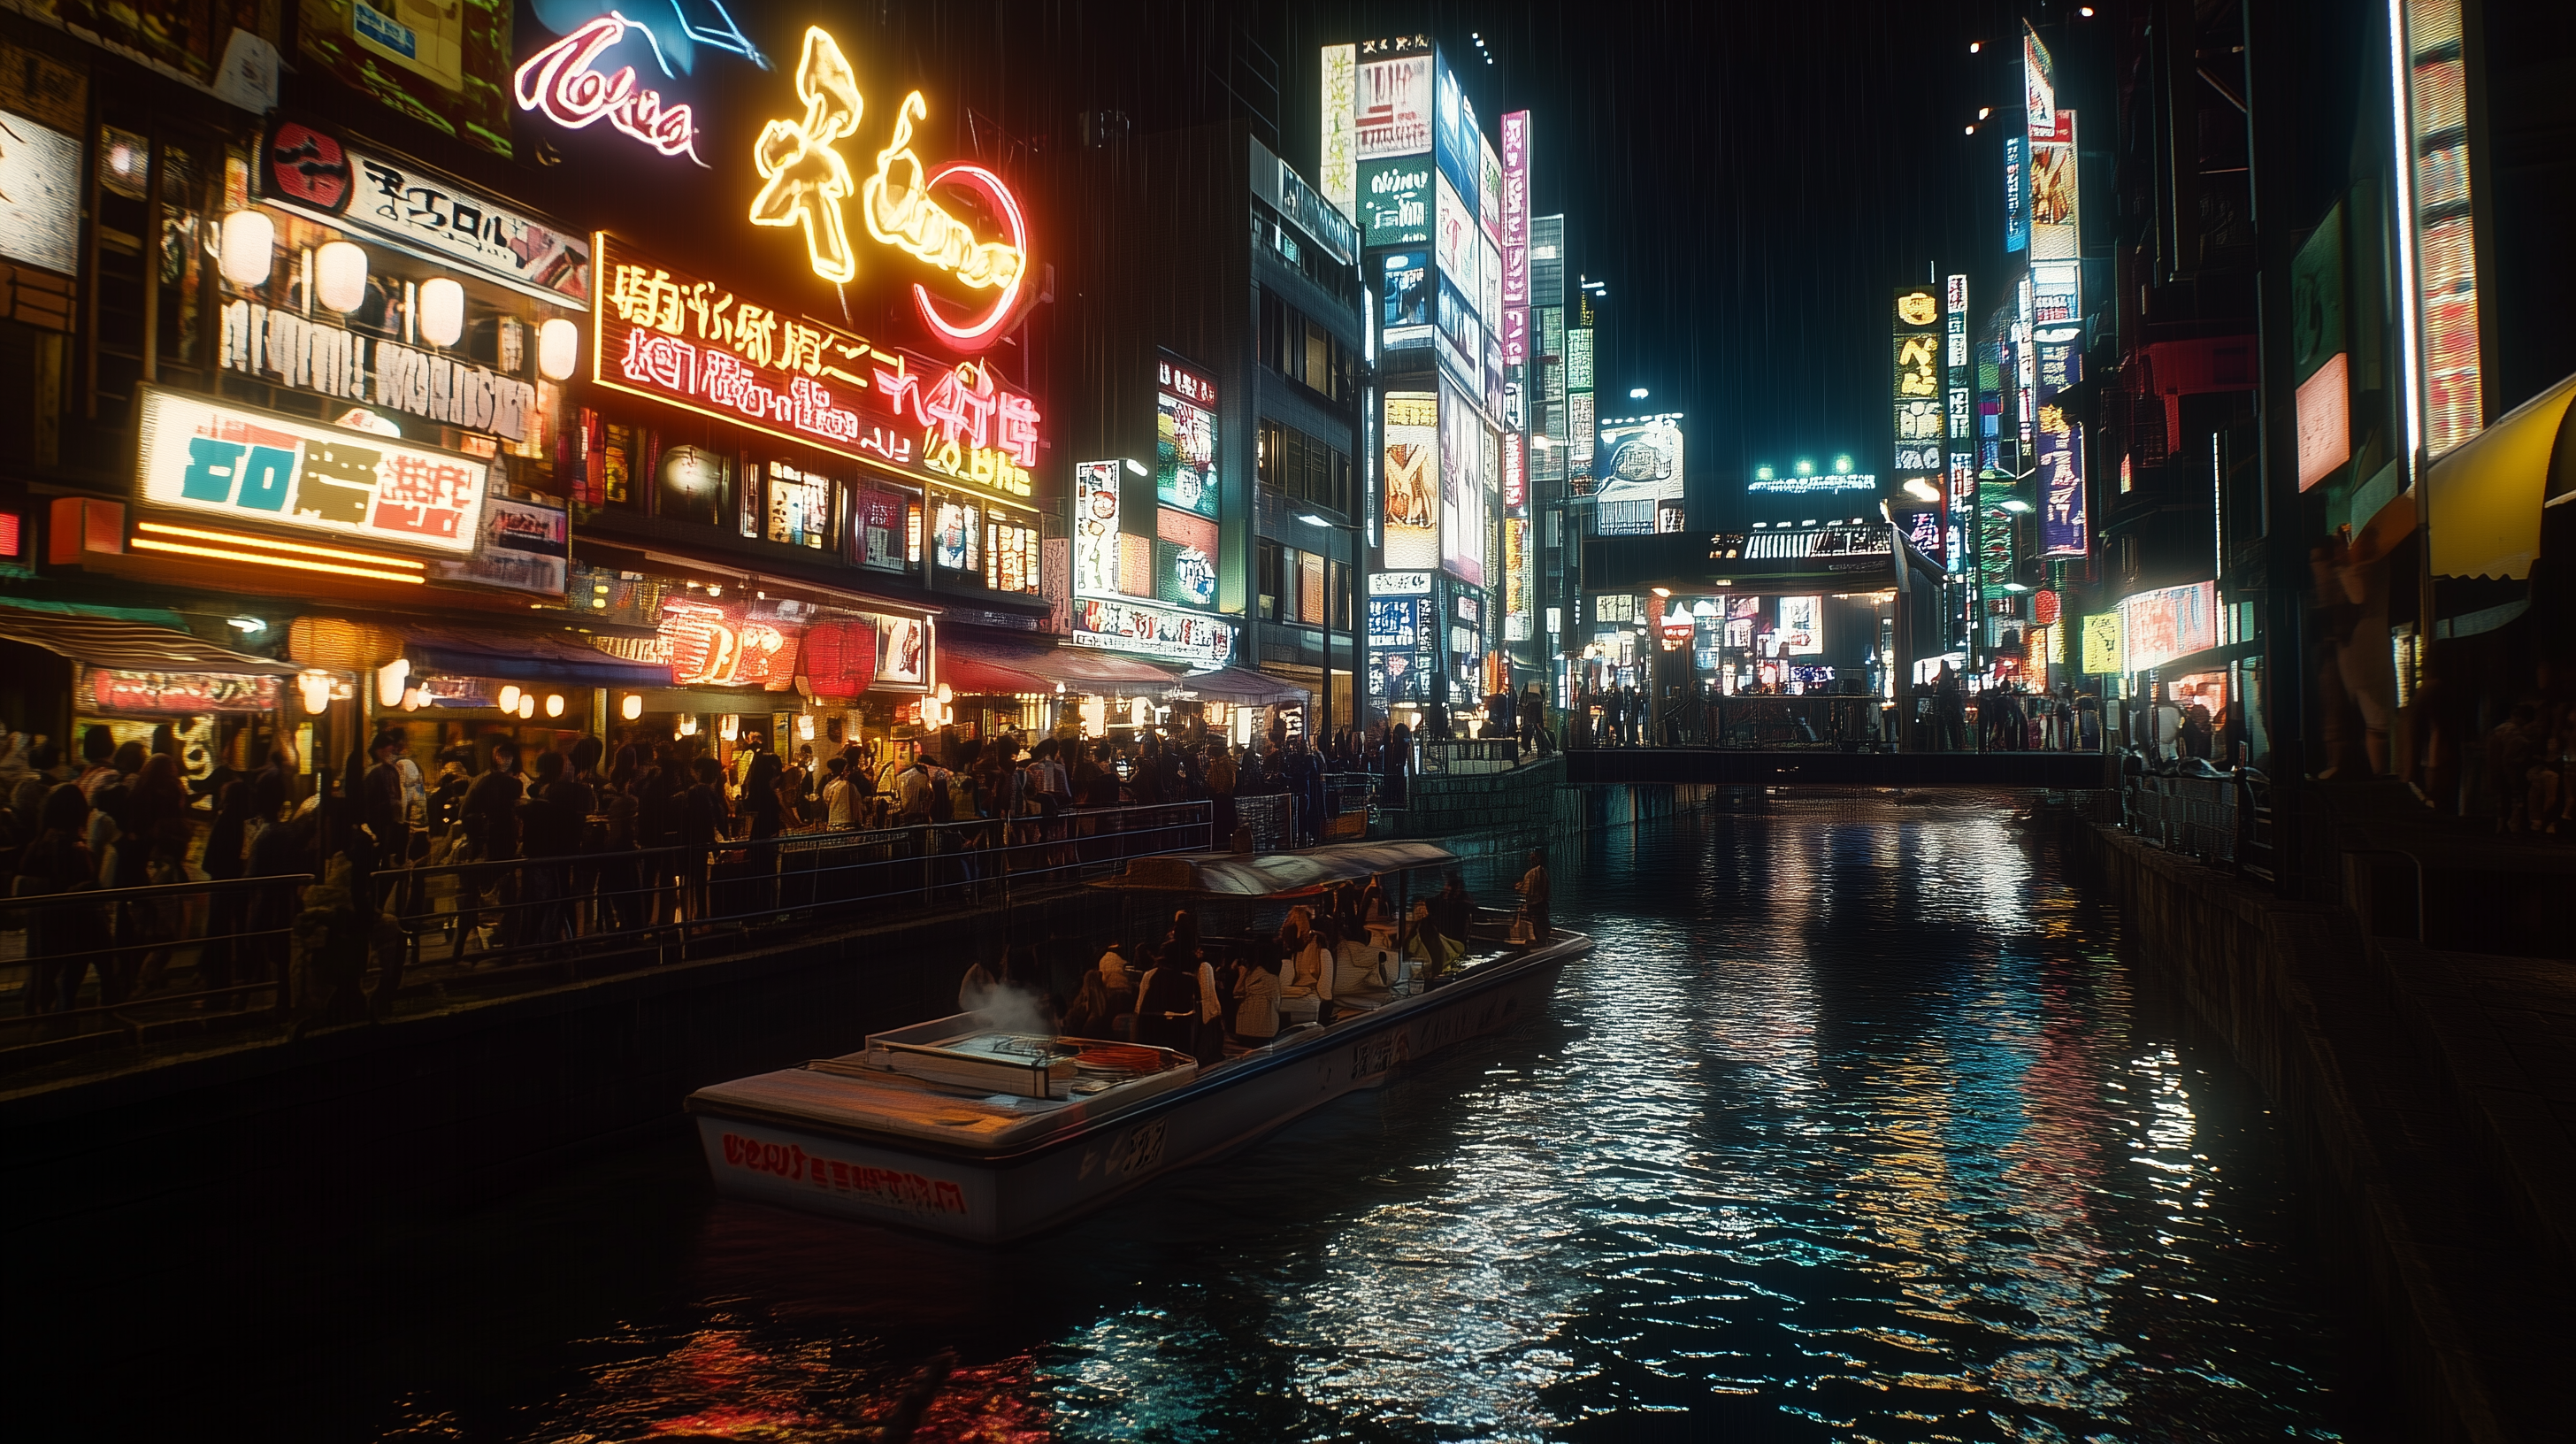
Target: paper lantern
{"points": [[728, 726], [339, 645], [250, 247], [631, 708], [805, 726], [510, 698], [554, 704], [316, 689], [389, 682], [558, 349], [442, 312], [688, 724], [839, 657], [340, 276], [527, 704]]}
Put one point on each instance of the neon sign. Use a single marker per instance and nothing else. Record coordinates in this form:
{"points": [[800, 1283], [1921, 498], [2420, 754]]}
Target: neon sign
{"points": [[670, 337], [558, 83], [806, 182]]}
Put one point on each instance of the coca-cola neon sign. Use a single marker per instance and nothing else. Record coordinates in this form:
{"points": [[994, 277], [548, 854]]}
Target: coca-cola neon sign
{"points": [[559, 83]]}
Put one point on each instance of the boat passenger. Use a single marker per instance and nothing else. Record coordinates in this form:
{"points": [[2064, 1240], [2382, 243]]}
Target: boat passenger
{"points": [[1090, 1015], [1307, 995], [1256, 994], [1428, 946], [1167, 1010]]}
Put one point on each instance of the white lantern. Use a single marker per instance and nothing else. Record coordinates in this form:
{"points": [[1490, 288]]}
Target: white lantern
{"points": [[945, 696], [442, 312], [554, 704], [558, 349], [527, 704], [728, 726], [250, 247], [389, 682], [631, 708], [316, 689], [688, 724], [340, 276], [510, 698], [805, 726]]}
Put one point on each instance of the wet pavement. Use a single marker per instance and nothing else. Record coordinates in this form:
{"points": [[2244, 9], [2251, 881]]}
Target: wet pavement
{"points": [[1859, 1126]]}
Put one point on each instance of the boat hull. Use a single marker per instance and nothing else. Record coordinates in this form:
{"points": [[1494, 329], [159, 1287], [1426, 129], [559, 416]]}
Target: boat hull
{"points": [[885, 1178]]}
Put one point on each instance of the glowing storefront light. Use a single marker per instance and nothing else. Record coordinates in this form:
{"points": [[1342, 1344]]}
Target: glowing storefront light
{"points": [[558, 83]]}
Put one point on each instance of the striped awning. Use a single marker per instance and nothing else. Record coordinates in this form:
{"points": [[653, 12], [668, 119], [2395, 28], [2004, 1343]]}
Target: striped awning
{"points": [[131, 646]]}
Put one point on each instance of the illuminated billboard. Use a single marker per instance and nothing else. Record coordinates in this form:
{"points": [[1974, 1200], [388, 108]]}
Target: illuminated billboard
{"points": [[2038, 80], [2170, 622], [2102, 644], [1395, 202], [2016, 194], [1639, 466], [234, 464], [1919, 422], [1489, 191], [2054, 211], [1454, 138], [1394, 108], [1407, 299], [1338, 155], [1455, 237], [1802, 629], [1412, 481], [2065, 528], [2442, 232], [1463, 523], [40, 195], [1516, 217], [1185, 438]]}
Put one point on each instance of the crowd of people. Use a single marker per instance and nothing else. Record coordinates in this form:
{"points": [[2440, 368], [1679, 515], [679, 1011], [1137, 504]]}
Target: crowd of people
{"points": [[531, 848]]}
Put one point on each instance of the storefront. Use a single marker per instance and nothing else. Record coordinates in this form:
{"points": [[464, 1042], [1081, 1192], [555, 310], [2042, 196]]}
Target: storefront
{"points": [[219, 711]]}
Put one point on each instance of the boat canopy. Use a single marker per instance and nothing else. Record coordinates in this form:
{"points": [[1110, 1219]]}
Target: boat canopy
{"points": [[1278, 874]]}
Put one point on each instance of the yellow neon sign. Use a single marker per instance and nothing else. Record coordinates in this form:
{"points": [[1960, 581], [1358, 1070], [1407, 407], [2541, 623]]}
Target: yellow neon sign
{"points": [[806, 182]]}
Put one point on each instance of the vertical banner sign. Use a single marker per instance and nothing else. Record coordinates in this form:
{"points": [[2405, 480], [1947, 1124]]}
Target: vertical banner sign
{"points": [[1516, 144], [1339, 155], [1095, 529], [1960, 495], [2016, 194], [2443, 233], [2064, 530], [1917, 348]]}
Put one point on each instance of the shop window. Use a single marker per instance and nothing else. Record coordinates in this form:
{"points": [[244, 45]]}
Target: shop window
{"points": [[1272, 567], [151, 260], [800, 506], [1337, 586], [1318, 370], [957, 535], [1010, 557], [1310, 588], [690, 483]]}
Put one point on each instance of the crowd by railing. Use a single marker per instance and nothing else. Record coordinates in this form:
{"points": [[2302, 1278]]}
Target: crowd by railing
{"points": [[94, 966]]}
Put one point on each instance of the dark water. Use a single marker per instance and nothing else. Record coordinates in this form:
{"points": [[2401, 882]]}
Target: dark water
{"points": [[1859, 1127]]}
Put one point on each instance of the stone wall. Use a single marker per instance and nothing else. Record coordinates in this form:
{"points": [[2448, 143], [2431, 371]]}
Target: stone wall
{"points": [[1478, 813]]}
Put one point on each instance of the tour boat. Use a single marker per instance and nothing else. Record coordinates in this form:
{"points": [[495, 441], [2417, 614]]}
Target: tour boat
{"points": [[963, 1127]]}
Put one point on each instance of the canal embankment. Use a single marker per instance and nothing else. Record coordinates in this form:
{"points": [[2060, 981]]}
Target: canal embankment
{"points": [[465, 1094], [2429, 1098]]}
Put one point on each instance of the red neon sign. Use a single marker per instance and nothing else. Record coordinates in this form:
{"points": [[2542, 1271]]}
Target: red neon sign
{"points": [[558, 83], [978, 332]]}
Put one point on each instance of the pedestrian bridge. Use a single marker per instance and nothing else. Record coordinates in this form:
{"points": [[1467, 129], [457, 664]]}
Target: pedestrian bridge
{"points": [[1831, 767]]}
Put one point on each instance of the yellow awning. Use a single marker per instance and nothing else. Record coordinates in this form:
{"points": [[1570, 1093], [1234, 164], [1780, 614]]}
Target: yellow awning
{"points": [[2487, 494]]}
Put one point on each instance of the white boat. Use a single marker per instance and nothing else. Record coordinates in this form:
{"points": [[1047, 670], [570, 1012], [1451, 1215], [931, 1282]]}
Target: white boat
{"points": [[961, 1128]]}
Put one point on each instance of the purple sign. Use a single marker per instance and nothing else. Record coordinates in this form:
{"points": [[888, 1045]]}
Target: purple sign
{"points": [[2065, 527]]}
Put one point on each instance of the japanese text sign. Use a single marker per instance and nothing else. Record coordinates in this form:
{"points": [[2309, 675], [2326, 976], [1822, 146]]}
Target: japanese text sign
{"points": [[255, 466]]}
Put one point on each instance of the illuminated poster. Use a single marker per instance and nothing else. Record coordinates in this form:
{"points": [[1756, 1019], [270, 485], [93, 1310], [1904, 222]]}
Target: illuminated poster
{"points": [[1010, 556], [956, 535], [1184, 558], [1395, 201], [1462, 492], [1182, 637], [2064, 528], [1411, 438], [2169, 622], [2054, 218], [1919, 426], [2038, 81], [880, 528], [245, 466], [1339, 152], [903, 650], [1393, 115], [445, 66], [1454, 139], [1802, 632], [1406, 299], [1185, 472], [1640, 470], [1095, 529], [800, 506], [524, 548], [40, 195], [1455, 237], [2444, 233], [2102, 644], [1489, 191], [720, 644]]}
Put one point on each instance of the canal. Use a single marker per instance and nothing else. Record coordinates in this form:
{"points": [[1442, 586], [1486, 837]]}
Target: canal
{"points": [[1861, 1125]]}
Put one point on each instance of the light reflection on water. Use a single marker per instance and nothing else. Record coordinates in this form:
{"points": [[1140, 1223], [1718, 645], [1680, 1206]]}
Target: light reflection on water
{"points": [[1854, 1129]]}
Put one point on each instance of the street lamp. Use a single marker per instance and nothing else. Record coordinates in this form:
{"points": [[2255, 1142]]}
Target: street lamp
{"points": [[1326, 733]]}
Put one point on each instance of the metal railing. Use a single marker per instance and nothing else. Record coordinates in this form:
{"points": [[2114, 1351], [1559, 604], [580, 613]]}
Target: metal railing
{"points": [[1433, 756], [2193, 816], [94, 967]]}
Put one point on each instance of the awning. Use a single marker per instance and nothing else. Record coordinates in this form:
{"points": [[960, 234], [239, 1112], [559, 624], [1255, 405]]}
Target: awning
{"points": [[1243, 687], [1230, 874], [524, 657], [132, 646], [2487, 493], [981, 664]]}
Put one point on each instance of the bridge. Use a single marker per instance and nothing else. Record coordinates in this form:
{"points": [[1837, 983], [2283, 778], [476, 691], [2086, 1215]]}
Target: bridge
{"points": [[1830, 767]]}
